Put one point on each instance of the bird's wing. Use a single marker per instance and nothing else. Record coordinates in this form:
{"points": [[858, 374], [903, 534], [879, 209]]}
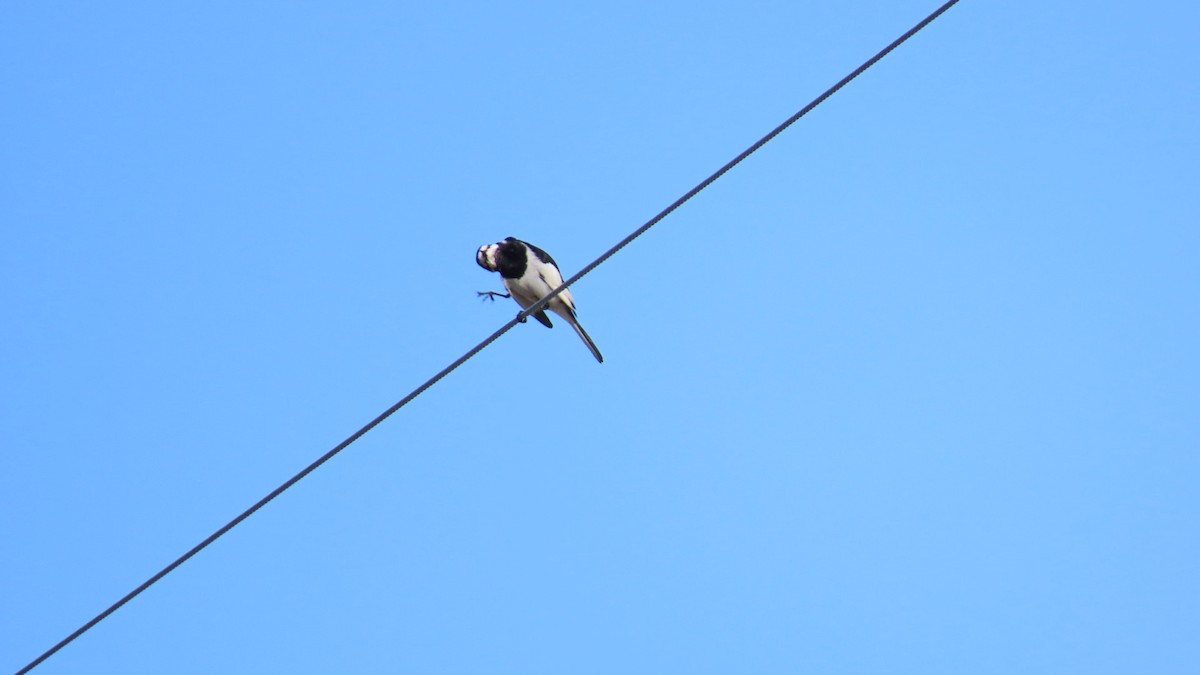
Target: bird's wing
{"points": [[541, 255], [550, 276]]}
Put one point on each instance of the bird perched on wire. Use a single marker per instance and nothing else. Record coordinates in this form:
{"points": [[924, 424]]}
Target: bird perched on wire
{"points": [[530, 274]]}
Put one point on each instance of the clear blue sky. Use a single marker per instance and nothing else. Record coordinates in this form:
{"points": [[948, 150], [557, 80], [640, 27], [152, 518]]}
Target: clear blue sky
{"points": [[915, 389]]}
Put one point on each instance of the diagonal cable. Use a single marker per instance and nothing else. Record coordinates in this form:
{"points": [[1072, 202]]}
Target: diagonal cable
{"points": [[487, 341]]}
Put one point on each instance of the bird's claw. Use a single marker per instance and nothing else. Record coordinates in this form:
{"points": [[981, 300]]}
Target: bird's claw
{"points": [[491, 295]]}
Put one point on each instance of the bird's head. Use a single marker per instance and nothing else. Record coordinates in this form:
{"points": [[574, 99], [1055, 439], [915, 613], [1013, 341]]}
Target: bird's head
{"points": [[486, 257]]}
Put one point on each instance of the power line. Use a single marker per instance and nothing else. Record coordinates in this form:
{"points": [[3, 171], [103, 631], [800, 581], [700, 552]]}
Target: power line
{"points": [[489, 340]]}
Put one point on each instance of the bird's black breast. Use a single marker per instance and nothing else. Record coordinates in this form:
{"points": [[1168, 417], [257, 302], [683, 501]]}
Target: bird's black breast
{"points": [[511, 260]]}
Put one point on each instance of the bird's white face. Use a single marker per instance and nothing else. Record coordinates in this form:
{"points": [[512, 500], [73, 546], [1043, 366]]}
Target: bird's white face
{"points": [[486, 257]]}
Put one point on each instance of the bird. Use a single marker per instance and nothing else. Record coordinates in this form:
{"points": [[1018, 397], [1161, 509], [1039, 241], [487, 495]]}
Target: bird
{"points": [[530, 274]]}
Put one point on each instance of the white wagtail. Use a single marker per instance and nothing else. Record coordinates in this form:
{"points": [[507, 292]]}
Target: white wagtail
{"points": [[529, 274]]}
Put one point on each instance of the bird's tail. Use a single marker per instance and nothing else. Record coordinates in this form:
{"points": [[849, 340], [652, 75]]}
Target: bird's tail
{"points": [[587, 339]]}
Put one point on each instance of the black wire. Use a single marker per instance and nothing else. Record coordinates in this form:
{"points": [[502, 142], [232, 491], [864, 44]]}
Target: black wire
{"points": [[489, 340]]}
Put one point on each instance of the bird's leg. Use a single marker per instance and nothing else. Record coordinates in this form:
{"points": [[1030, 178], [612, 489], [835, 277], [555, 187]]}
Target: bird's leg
{"points": [[491, 295]]}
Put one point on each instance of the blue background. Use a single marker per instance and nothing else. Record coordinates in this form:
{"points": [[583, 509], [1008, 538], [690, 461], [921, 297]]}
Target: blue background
{"points": [[913, 390]]}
